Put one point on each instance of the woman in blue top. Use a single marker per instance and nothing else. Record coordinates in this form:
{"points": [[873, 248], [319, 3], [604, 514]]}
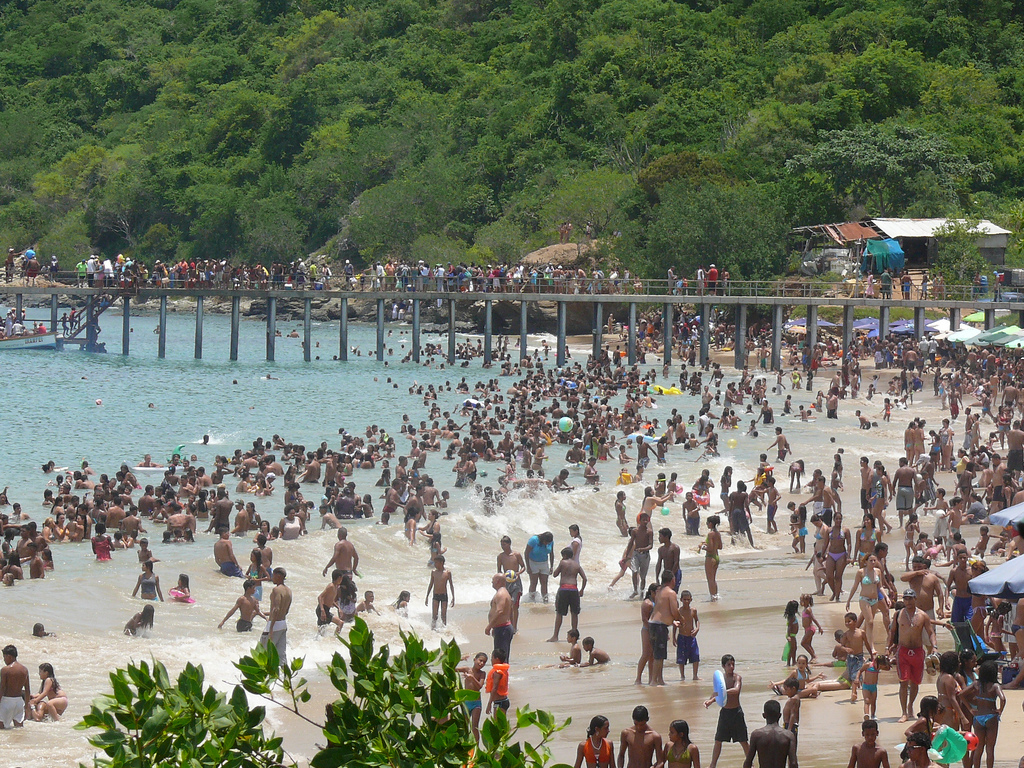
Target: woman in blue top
{"points": [[540, 559]]}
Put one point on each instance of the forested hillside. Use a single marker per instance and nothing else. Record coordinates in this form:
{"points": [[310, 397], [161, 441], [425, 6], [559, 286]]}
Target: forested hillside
{"points": [[452, 129]]}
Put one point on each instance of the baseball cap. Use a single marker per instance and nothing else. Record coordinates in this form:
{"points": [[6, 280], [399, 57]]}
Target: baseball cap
{"points": [[909, 593]]}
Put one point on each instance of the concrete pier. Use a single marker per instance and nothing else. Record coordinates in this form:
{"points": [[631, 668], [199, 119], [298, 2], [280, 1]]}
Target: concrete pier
{"points": [[236, 303], [631, 344], [523, 336], [560, 341], [777, 337], [954, 319], [343, 332], [598, 329], [919, 321], [847, 329], [667, 323], [415, 330], [161, 344], [307, 330], [812, 327], [705, 333], [451, 331], [199, 327], [54, 309], [739, 349], [126, 325], [380, 329], [91, 331], [271, 328], [883, 321], [19, 308], [990, 319], [488, 328]]}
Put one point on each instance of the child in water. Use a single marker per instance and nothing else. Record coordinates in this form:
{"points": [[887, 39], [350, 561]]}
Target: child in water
{"points": [[868, 678], [792, 630], [181, 593], [809, 623]]}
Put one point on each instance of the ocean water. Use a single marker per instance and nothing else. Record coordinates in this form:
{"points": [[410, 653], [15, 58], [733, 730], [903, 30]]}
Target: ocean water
{"points": [[51, 413]]}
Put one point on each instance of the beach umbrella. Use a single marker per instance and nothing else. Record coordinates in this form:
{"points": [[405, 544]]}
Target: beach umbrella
{"points": [[871, 323], [1006, 581], [939, 326], [964, 334], [979, 316], [992, 336], [1008, 516]]}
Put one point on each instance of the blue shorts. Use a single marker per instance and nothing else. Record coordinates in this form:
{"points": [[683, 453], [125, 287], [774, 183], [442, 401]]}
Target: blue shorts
{"points": [[473, 704], [687, 651]]}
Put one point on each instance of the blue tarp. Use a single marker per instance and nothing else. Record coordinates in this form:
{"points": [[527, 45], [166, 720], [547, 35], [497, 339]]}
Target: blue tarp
{"points": [[881, 255]]}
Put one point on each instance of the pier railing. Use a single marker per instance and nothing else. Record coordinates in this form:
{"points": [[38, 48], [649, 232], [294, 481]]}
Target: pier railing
{"points": [[794, 288]]}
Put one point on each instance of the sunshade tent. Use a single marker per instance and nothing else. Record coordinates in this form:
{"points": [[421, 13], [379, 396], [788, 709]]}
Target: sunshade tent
{"points": [[1006, 581], [801, 322], [1002, 333], [939, 326], [869, 323], [979, 316], [1008, 516], [964, 334]]}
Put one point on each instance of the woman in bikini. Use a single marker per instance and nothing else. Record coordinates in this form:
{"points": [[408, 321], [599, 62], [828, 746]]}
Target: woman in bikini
{"points": [[869, 582], [596, 751], [985, 697], [867, 537], [51, 699], [712, 546], [681, 752], [837, 555]]}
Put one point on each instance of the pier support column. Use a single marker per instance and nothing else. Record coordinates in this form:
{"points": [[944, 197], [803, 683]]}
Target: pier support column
{"points": [[54, 309], [705, 333], [847, 329], [599, 329], [777, 337], [954, 319], [667, 323], [126, 326], [451, 331], [236, 311], [343, 332], [91, 331], [883, 322], [488, 328], [307, 330], [271, 328], [380, 329], [199, 328], [631, 344], [919, 321], [161, 344], [415, 330], [739, 349], [523, 307], [19, 301], [1020, 318], [560, 342], [990, 319], [812, 327]]}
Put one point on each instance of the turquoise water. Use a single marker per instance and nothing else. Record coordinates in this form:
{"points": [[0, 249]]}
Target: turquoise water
{"points": [[52, 414]]}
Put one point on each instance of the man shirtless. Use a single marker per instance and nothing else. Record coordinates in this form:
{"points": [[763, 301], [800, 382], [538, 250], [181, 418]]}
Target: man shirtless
{"points": [[247, 608], [957, 581], [782, 443], [928, 586], [665, 613], [641, 744], [773, 745], [14, 690], [643, 543], [668, 558], [567, 599], [499, 618], [345, 557], [276, 631], [224, 555], [913, 623], [508, 560]]}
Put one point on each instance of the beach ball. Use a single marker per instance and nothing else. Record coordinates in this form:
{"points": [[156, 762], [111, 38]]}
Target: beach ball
{"points": [[565, 424], [733, 442], [99, 402], [510, 576], [666, 511], [972, 740]]}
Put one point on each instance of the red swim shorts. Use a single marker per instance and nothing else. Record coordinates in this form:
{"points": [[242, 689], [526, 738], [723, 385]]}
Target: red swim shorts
{"points": [[910, 664]]}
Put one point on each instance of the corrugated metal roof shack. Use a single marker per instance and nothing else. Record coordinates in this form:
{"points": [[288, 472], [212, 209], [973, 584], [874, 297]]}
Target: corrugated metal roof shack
{"points": [[916, 239]]}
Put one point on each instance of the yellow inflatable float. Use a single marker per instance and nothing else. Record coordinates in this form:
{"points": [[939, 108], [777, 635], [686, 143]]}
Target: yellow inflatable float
{"points": [[658, 389]]}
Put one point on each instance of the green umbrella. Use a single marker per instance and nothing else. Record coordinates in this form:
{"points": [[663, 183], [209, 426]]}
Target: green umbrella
{"points": [[979, 316]]}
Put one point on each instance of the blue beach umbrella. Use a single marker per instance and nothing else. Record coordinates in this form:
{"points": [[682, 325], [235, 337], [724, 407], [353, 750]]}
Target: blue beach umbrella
{"points": [[1008, 516], [1006, 581]]}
